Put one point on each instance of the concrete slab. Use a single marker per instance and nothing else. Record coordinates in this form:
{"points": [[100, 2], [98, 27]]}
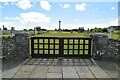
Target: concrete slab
{"points": [[21, 74], [69, 72], [39, 72], [98, 72], [10, 73], [54, 75], [54, 69], [27, 68]]}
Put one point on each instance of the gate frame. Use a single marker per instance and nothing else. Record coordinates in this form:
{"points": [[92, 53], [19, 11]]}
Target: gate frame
{"points": [[61, 47]]}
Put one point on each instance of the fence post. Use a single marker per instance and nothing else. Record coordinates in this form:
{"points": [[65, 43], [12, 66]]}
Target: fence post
{"points": [[61, 45], [32, 46], [89, 51]]}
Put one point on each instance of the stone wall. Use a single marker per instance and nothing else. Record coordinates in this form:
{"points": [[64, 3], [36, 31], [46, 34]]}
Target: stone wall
{"points": [[8, 47], [15, 46], [109, 50], [0, 47], [113, 48]]}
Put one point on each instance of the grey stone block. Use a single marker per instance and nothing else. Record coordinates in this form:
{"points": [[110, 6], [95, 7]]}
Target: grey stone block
{"points": [[13, 48]]}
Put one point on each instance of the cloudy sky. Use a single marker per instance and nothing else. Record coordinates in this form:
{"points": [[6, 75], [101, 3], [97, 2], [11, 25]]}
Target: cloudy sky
{"points": [[28, 14]]}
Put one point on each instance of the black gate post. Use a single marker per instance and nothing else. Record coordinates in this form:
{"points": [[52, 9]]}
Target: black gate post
{"points": [[61, 45], [32, 47], [89, 51]]}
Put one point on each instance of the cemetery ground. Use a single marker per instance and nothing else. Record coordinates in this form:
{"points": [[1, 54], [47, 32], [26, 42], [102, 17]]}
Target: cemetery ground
{"points": [[116, 34], [60, 68]]}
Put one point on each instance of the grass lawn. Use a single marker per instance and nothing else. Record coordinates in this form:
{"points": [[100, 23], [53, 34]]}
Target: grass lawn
{"points": [[115, 36], [5, 34], [60, 34]]}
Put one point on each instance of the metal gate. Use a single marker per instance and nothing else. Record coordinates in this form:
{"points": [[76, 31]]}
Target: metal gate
{"points": [[60, 47]]}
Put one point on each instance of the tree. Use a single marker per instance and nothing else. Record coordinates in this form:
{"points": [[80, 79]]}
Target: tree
{"points": [[12, 28], [44, 29], [91, 30], [38, 28], [55, 29], [104, 30], [24, 29], [74, 29], [30, 29], [68, 30], [4, 28]]}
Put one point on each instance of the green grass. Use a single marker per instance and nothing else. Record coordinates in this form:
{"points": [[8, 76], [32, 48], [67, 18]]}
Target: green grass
{"points": [[115, 36], [59, 34], [5, 34]]}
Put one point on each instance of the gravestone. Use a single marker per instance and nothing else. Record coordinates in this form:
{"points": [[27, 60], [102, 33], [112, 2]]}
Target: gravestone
{"points": [[81, 29], [111, 32], [12, 29], [99, 41], [20, 39], [22, 44]]}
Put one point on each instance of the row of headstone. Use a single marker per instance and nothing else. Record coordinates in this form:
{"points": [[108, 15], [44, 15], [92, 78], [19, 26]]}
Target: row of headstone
{"points": [[9, 31]]}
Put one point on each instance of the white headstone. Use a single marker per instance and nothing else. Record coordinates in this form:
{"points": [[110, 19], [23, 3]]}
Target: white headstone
{"points": [[1, 32], [111, 32]]}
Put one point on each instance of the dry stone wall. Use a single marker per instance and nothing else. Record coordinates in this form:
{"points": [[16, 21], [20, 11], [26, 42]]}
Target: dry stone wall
{"points": [[109, 50], [0, 46], [16, 46]]}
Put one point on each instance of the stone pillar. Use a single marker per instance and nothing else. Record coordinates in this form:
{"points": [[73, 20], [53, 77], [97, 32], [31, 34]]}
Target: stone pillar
{"points": [[0, 57], [59, 30], [0, 46], [22, 45], [59, 25], [99, 41]]}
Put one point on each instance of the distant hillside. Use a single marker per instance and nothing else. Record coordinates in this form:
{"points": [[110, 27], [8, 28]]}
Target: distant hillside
{"points": [[116, 27]]}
